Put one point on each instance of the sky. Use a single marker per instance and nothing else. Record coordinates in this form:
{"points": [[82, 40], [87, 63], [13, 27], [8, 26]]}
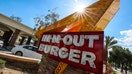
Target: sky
{"points": [[119, 27]]}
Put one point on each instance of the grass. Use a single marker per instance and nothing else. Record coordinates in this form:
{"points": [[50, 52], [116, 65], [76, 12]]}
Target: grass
{"points": [[2, 63]]}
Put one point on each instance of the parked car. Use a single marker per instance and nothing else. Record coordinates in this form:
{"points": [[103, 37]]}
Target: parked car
{"points": [[1, 41], [26, 51]]}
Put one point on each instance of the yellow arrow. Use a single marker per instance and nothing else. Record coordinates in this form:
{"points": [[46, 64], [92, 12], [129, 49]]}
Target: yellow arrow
{"points": [[94, 18]]}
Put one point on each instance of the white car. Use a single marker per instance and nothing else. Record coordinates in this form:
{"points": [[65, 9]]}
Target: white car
{"points": [[1, 43], [26, 51]]}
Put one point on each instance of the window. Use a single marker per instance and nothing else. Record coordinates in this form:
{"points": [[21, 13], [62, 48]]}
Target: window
{"points": [[30, 48]]}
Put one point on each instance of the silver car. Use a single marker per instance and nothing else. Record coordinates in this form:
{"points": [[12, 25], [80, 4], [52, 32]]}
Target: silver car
{"points": [[26, 51], [1, 41]]}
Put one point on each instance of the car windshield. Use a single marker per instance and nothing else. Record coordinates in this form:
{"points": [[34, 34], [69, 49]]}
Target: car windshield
{"points": [[30, 48]]}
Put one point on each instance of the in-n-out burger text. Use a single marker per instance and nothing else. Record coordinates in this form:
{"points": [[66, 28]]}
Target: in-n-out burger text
{"points": [[68, 39], [73, 54], [79, 49]]}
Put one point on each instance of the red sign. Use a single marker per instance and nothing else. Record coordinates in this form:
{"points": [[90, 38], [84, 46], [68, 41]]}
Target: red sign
{"points": [[80, 49]]}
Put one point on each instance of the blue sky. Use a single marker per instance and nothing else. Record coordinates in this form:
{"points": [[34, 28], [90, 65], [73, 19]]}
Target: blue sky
{"points": [[120, 26]]}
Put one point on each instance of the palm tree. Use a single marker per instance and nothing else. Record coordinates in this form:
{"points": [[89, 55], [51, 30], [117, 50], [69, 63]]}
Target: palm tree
{"points": [[109, 43]]}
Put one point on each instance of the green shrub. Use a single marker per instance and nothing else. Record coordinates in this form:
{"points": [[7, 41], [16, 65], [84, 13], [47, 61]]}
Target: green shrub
{"points": [[2, 63]]}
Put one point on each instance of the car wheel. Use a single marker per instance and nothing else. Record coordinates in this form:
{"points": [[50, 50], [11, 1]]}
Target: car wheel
{"points": [[19, 53]]}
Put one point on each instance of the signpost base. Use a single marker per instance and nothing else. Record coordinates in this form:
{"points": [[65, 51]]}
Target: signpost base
{"points": [[48, 66]]}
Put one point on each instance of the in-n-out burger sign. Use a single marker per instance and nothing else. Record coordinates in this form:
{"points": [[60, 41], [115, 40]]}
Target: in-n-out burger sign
{"points": [[80, 49]]}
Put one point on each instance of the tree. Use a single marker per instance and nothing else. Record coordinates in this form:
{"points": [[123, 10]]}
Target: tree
{"points": [[44, 21], [116, 56], [121, 57], [16, 18], [109, 43], [127, 59]]}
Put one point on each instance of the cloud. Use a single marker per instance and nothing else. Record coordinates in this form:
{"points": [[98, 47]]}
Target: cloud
{"points": [[76, 1], [127, 37], [127, 33]]}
